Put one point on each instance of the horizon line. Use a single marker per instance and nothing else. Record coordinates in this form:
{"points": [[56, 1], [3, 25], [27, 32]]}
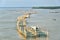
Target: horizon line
{"points": [[30, 7]]}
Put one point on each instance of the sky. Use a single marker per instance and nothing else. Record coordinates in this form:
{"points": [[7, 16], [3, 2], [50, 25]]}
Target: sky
{"points": [[28, 3]]}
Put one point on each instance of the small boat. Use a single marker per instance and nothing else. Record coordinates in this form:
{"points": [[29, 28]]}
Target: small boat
{"points": [[39, 32], [30, 31]]}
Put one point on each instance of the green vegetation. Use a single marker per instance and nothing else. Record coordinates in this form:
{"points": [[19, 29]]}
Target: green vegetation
{"points": [[52, 7]]}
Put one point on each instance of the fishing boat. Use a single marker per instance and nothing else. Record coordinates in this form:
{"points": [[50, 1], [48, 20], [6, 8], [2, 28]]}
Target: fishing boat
{"points": [[31, 31]]}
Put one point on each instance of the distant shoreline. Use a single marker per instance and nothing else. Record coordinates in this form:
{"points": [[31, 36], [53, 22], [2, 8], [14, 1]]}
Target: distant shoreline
{"points": [[50, 7], [42, 7]]}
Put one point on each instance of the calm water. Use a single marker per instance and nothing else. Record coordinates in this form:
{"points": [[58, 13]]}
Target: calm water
{"points": [[46, 18]]}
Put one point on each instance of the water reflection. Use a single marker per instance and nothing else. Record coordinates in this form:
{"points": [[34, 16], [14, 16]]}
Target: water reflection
{"points": [[32, 38], [37, 38]]}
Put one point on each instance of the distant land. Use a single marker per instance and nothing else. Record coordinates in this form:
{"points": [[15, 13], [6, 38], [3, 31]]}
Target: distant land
{"points": [[45, 7], [51, 7]]}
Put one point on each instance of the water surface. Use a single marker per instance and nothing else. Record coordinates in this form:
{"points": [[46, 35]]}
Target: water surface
{"points": [[44, 18]]}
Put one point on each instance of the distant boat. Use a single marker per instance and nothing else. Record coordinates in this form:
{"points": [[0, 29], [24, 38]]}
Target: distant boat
{"points": [[54, 12]]}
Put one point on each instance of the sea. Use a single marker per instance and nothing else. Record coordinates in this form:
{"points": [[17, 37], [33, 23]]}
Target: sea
{"points": [[47, 19]]}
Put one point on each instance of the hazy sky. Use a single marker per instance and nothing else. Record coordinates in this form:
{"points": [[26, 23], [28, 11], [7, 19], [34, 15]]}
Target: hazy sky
{"points": [[28, 3]]}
